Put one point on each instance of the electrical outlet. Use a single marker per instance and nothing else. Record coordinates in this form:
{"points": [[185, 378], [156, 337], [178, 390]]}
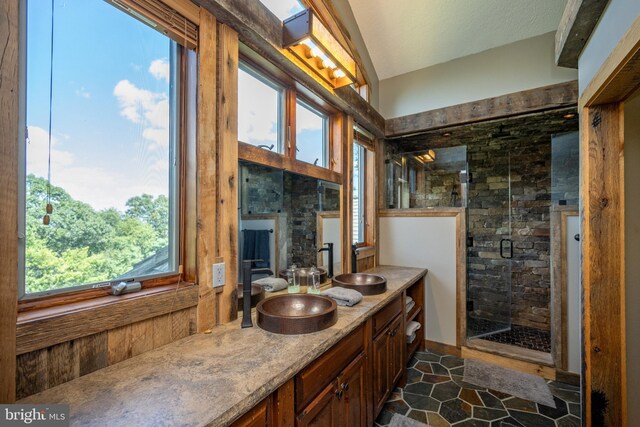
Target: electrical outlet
{"points": [[218, 275]]}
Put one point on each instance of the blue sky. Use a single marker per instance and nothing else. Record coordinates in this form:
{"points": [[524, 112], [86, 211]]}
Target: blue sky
{"points": [[110, 107]]}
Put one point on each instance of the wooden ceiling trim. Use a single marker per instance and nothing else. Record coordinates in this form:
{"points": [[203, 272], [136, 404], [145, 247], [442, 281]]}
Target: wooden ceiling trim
{"points": [[578, 21], [261, 30], [513, 104]]}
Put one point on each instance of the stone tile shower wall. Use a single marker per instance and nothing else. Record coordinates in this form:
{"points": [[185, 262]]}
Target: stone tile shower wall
{"points": [[302, 203], [488, 217], [521, 294]]}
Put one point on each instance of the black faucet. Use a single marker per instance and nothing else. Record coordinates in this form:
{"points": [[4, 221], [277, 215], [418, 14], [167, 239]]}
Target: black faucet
{"points": [[247, 274], [354, 258], [329, 249]]}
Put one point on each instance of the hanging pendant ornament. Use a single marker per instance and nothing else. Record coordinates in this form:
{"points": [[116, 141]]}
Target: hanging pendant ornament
{"points": [[49, 208], [46, 219]]}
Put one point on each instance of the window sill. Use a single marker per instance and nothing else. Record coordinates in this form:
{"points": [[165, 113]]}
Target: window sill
{"points": [[366, 252], [44, 327]]}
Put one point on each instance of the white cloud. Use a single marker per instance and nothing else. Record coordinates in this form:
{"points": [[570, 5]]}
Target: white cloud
{"points": [[100, 187], [149, 109], [257, 110], [307, 120], [159, 69], [283, 8], [83, 93]]}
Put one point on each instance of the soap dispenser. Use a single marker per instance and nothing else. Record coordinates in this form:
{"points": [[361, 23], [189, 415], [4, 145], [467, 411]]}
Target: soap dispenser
{"points": [[292, 280]]}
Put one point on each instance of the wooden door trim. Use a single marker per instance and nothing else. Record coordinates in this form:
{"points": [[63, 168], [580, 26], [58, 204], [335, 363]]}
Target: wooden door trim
{"points": [[604, 397]]}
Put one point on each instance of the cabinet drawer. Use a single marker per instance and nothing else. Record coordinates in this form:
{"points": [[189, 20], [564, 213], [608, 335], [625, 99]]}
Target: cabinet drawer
{"points": [[323, 370], [386, 315]]}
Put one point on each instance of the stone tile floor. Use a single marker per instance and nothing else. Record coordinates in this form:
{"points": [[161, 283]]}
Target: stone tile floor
{"points": [[436, 395]]}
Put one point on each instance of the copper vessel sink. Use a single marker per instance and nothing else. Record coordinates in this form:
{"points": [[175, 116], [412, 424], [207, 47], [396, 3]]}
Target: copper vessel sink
{"points": [[257, 295], [366, 284], [304, 275], [293, 314]]}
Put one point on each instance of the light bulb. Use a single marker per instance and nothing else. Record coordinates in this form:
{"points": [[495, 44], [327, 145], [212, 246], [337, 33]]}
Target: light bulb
{"points": [[338, 74]]}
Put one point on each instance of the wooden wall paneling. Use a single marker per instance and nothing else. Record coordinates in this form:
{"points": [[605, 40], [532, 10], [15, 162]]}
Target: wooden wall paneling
{"points": [[290, 124], [261, 30], [142, 337], [335, 123], [207, 170], [92, 353], [603, 280], [578, 21], [162, 330], [9, 127], [346, 192], [371, 200], [62, 363], [119, 344], [43, 332], [179, 324], [513, 104], [32, 373], [228, 170]]}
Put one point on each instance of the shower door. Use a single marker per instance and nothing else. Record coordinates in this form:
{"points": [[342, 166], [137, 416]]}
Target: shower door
{"points": [[489, 246]]}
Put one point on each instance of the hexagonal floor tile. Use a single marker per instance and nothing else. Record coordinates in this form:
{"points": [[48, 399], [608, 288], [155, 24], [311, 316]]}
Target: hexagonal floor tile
{"points": [[445, 391], [455, 410], [423, 403]]}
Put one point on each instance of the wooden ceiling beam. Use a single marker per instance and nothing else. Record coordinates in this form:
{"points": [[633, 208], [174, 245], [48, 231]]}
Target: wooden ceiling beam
{"points": [[261, 30], [576, 25], [513, 104]]}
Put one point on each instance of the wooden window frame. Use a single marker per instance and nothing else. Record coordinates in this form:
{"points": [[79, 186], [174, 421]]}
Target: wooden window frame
{"points": [[293, 92], [185, 274]]}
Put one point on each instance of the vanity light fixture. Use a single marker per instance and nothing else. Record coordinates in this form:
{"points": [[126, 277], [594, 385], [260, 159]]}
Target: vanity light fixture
{"points": [[426, 157], [309, 40], [569, 116]]}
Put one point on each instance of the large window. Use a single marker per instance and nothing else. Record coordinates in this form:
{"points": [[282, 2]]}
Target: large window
{"points": [[311, 135], [107, 161], [260, 110], [359, 182]]}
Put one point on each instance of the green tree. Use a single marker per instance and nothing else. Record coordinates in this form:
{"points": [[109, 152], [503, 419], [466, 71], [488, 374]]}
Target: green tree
{"points": [[82, 245]]}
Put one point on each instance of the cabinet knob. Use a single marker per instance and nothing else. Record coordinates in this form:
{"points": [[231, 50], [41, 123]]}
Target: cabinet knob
{"points": [[339, 393], [345, 386]]}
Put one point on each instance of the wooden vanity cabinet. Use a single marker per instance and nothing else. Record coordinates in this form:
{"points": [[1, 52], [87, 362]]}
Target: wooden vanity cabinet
{"points": [[342, 402], [348, 385], [387, 352]]}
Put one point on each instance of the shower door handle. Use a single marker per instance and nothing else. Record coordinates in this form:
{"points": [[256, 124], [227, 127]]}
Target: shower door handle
{"points": [[510, 248]]}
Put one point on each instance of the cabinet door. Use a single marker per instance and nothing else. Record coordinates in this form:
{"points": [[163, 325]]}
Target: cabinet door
{"points": [[396, 347], [354, 401], [380, 370], [257, 417], [323, 411]]}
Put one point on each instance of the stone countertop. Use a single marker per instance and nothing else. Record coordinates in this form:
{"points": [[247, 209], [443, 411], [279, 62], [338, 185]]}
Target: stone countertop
{"points": [[209, 379]]}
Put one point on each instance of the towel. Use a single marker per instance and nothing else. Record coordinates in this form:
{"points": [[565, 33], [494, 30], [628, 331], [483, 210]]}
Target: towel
{"points": [[343, 296], [410, 306], [256, 246], [408, 300], [411, 338], [412, 327], [271, 284]]}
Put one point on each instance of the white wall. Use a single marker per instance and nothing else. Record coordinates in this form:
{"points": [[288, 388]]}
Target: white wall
{"points": [[426, 242], [632, 251], [614, 23], [526, 64], [331, 233], [346, 16], [574, 297]]}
